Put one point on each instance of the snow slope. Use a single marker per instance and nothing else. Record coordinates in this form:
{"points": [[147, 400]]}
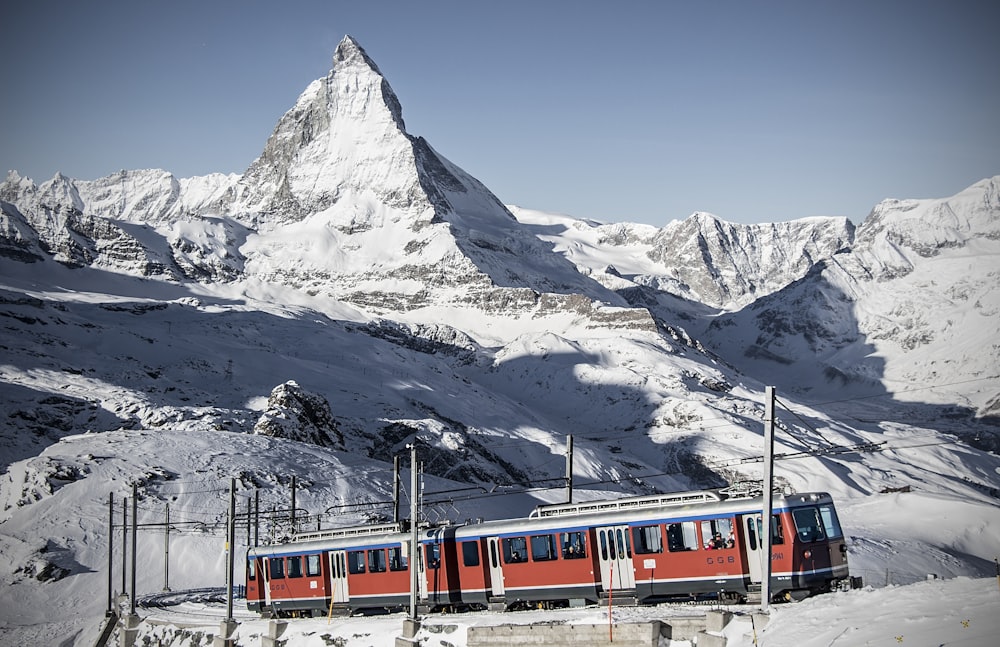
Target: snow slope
{"points": [[909, 615]]}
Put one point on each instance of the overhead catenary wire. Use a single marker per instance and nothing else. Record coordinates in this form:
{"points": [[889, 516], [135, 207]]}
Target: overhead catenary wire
{"points": [[512, 490], [214, 516]]}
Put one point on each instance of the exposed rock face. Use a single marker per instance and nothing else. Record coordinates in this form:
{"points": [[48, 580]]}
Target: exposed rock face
{"points": [[296, 414], [729, 265], [18, 240]]}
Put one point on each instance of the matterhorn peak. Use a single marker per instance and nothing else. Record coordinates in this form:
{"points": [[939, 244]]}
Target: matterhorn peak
{"points": [[350, 53], [344, 135]]}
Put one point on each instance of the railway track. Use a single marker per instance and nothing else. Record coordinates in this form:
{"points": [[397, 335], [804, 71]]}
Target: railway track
{"points": [[190, 607]]}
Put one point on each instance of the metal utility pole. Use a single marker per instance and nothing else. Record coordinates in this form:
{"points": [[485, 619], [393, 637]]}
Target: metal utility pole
{"points": [[569, 468], [124, 544], [395, 489], [256, 518], [230, 549], [111, 551], [166, 551], [135, 497], [293, 504], [765, 533], [414, 535]]}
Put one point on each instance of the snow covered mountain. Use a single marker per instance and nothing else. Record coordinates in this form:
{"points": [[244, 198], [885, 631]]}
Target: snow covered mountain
{"points": [[912, 304], [354, 290], [701, 259], [341, 202]]}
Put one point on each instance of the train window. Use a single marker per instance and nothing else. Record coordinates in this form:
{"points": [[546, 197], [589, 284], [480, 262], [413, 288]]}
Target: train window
{"points": [[295, 566], [574, 545], [604, 544], [397, 560], [515, 550], [376, 560], [276, 565], [433, 552], [830, 521], [681, 536], [356, 562], [543, 548], [624, 549], [718, 534], [777, 531], [312, 565], [252, 569], [808, 524], [470, 553], [754, 531], [493, 554], [647, 539]]}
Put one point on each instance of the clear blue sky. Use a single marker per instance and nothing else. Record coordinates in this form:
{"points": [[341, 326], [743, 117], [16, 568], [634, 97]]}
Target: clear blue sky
{"points": [[617, 111]]}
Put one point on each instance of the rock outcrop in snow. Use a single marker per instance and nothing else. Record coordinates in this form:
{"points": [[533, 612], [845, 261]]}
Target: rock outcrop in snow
{"points": [[296, 414]]}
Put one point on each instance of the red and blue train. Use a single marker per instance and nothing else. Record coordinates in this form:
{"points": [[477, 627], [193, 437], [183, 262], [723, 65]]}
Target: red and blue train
{"points": [[648, 548]]}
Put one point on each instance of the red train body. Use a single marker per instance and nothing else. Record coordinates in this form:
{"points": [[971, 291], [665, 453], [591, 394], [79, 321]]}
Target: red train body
{"points": [[646, 548]]}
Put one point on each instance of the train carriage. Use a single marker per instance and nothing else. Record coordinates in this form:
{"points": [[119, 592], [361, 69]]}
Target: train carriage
{"points": [[658, 547], [530, 561], [349, 568], [650, 548]]}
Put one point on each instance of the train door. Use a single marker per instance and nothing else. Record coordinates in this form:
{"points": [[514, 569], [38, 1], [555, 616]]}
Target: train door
{"points": [[751, 528], [266, 575], [614, 552], [496, 568], [338, 577], [419, 562]]}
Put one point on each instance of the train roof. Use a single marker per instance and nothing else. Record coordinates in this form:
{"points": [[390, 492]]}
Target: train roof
{"points": [[679, 506], [348, 537]]}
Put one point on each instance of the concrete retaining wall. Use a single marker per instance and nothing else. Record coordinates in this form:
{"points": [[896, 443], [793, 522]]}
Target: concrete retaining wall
{"points": [[639, 634]]}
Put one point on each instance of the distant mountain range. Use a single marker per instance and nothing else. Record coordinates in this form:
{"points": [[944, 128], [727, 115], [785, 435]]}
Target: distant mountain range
{"points": [[354, 290], [522, 317]]}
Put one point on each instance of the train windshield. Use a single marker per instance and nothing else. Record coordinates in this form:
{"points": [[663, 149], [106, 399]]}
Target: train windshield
{"points": [[816, 523]]}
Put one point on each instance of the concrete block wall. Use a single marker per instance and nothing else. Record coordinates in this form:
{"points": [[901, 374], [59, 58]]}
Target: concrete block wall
{"points": [[710, 640], [275, 629], [683, 627], [639, 634], [716, 620]]}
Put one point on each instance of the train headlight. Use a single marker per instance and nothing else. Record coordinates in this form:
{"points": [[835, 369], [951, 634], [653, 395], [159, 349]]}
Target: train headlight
{"points": [[808, 554]]}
